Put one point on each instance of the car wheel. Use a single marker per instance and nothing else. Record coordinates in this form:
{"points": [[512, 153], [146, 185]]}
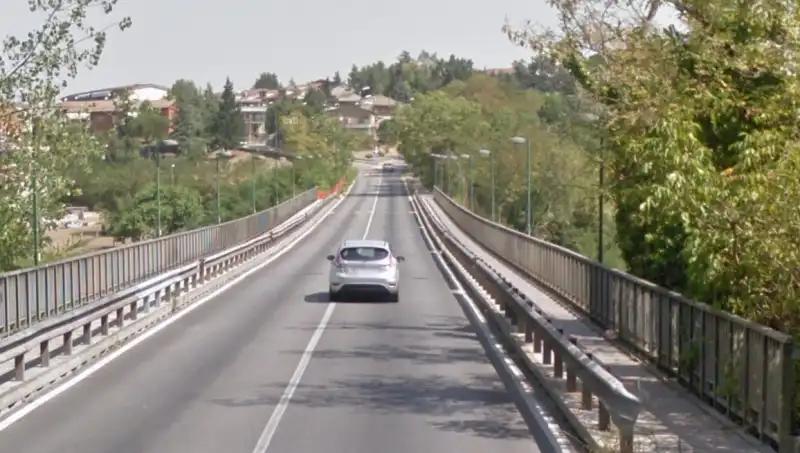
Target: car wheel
{"points": [[333, 297], [394, 297]]}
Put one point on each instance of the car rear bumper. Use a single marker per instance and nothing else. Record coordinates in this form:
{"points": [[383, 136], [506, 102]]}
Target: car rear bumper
{"points": [[354, 286]]}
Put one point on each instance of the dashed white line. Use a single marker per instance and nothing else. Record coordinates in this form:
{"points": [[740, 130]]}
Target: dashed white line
{"points": [[275, 419]]}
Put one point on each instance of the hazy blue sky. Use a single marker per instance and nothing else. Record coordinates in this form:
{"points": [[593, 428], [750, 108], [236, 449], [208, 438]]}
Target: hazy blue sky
{"points": [[207, 40]]}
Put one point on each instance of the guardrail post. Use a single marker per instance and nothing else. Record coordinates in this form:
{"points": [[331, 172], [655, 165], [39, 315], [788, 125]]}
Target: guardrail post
{"points": [[19, 367], [626, 440], [603, 417], [67, 339], [134, 309], [572, 383], [547, 351], [558, 364], [120, 317], [87, 333], [201, 270], [104, 325], [537, 341], [44, 354]]}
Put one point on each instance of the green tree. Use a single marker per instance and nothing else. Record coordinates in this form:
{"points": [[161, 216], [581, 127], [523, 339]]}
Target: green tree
{"points": [[42, 143], [191, 125], [149, 125], [315, 100], [227, 125], [181, 209], [702, 139], [267, 80]]}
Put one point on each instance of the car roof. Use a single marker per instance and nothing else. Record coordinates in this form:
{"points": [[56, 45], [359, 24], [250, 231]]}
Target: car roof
{"points": [[365, 243]]}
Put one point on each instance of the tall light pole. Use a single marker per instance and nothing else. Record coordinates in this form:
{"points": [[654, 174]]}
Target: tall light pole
{"points": [[470, 188], [592, 118], [487, 153], [158, 191], [437, 158], [219, 205], [275, 181], [253, 181], [35, 221], [172, 174], [294, 176], [520, 141]]}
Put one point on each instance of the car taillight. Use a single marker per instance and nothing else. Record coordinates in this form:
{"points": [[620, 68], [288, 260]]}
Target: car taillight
{"points": [[337, 262]]}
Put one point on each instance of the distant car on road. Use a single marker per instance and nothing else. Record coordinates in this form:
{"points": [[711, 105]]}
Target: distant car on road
{"points": [[388, 167], [364, 267]]}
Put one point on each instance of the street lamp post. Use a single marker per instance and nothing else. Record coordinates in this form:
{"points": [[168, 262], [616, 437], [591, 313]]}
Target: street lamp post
{"points": [[487, 153], [219, 205], [470, 187], [275, 182], [253, 181], [436, 167], [294, 176], [524, 140], [35, 195], [158, 192], [172, 174], [592, 118]]}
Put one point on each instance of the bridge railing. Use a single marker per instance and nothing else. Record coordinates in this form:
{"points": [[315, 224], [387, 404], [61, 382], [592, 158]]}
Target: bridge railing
{"points": [[32, 296], [744, 370]]}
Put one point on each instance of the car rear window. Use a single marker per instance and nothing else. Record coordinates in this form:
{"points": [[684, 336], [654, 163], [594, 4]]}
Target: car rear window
{"points": [[364, 254]]}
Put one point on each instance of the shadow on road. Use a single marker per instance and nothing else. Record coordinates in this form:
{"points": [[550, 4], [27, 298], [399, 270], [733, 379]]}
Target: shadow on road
{"points": [[324, 298], [436, 370], [473, 404]]}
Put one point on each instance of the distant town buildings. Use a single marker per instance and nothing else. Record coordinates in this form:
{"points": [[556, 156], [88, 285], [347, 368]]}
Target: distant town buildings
{"points": [[101, 108], [356, 113]]}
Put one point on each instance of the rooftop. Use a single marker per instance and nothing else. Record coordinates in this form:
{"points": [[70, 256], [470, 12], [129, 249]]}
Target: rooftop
{"points": [[108, 93]]}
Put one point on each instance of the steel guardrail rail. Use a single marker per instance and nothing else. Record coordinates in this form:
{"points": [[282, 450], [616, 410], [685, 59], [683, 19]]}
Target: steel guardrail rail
{"points": [[570, 362], [742, 369], [29, 297], [118, 311]]}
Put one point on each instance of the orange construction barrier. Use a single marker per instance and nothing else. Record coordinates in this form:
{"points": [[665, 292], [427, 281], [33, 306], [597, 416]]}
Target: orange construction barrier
{"points": [[337, 188]]}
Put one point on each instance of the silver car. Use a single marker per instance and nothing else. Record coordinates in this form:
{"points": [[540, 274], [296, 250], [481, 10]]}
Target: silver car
{"points": [[365, 267]]}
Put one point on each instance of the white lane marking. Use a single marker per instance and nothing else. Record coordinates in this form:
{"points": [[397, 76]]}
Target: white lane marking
{"points": [[372, 210], [550, 425], [275, 419], [35, 404]]}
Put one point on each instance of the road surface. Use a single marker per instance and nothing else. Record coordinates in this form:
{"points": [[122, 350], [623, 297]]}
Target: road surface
{"points": [[383, 377]]}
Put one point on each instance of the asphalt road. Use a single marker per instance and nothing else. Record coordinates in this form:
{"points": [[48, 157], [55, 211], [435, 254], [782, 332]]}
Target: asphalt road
{"points": [[384, 377]]}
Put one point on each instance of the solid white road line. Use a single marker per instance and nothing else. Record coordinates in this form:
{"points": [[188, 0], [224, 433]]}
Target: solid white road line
{"points": [[35, 404], [275, 419]]}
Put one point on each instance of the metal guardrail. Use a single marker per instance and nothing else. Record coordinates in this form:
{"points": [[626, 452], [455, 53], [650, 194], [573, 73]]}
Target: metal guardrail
{"points": [[580, 371], [34, 351], [744, 370], [33, 296]]}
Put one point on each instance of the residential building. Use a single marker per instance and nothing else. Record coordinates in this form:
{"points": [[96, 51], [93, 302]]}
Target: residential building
{"points": [[101, 108], [382, 107], [354, 118], [253, 106]]}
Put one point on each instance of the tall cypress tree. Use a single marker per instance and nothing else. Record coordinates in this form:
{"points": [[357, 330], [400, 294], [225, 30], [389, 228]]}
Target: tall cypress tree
{"points": [[228, 127]]}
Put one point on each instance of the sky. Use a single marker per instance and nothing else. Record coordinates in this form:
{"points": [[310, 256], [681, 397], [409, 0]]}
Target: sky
{"points": [[209, 40]]}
